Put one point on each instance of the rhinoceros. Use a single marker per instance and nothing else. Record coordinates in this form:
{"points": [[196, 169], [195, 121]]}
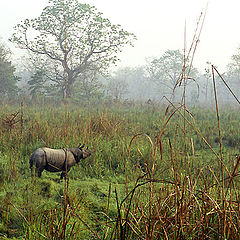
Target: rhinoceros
{"points": [[56, 160]]}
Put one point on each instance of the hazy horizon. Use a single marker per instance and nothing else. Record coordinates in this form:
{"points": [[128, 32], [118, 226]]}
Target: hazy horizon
{"points": [[158, 25]]}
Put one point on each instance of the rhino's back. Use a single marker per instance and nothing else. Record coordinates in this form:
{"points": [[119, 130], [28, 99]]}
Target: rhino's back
{"points": [[57, 158]]}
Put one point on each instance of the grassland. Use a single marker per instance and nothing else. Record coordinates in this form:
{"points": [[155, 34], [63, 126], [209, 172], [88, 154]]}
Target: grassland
{"points": [[152, 174]]}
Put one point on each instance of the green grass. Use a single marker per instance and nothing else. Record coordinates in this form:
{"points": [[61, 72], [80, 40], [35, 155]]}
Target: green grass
{"points": [[181, 197]]}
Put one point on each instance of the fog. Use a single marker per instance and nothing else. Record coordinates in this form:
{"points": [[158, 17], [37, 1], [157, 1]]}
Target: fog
{"points": [[159, 26]]}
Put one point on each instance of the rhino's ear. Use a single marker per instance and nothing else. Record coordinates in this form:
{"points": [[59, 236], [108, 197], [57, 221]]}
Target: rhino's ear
{"points": [[81, 147]]}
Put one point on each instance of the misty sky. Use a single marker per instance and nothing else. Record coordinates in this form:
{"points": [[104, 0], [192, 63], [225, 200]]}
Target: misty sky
{"points": [[158, 24]]}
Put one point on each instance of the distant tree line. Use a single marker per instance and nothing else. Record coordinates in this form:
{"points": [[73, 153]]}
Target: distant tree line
{"points": [[159, 77]]}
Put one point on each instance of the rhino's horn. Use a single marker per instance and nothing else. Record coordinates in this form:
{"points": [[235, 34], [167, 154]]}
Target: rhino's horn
{"points": [[81, 147]]}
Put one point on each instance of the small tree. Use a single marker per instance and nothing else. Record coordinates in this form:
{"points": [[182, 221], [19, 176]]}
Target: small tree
{"points": [[207, 76], [8, 80], [74, 38], [36, 83]]}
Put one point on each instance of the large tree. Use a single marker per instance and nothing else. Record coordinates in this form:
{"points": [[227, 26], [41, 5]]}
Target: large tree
{"points": [[8, 79], [73, 38]]}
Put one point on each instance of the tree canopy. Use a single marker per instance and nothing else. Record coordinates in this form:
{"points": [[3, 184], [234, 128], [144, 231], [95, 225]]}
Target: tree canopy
{"points": [[166, 71], [69, 39]]}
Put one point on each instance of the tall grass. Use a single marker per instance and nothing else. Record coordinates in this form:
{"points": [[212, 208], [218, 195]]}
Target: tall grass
{"points": [[143, 181]]}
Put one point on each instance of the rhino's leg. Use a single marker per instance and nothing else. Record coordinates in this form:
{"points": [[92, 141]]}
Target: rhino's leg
{"points": [[36, 171], [39, 173], [63, 174], [32, 170], [39, 169]]}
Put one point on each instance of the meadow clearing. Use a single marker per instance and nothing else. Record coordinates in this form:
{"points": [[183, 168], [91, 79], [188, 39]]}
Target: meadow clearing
{"points": [[153, 174]]}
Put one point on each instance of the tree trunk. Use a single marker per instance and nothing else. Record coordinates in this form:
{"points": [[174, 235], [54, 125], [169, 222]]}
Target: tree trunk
{"points": [[69, 84]]}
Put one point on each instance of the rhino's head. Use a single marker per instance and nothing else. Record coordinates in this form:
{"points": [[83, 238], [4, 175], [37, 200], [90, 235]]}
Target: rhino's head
{"points": [[80, 153], [86, 153]]}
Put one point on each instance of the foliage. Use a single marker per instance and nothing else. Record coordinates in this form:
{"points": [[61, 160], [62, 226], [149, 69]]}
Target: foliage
{"points": [[36, 83], [8, 79], [73, 39], [88, 87], [167, 71]]}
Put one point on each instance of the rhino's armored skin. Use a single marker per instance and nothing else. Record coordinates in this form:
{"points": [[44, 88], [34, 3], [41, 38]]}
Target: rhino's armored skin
{"points": [[56, 160]]}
